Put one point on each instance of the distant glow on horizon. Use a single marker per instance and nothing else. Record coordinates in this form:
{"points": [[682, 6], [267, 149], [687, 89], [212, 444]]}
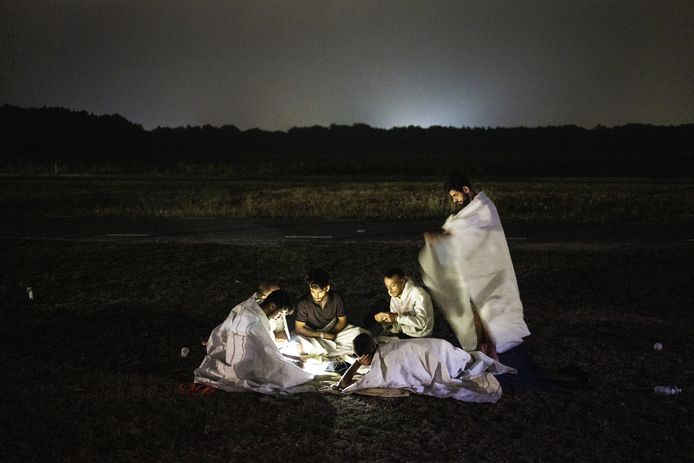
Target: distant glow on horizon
{"points": [[424, 120], [278, 65], [413, 113]]}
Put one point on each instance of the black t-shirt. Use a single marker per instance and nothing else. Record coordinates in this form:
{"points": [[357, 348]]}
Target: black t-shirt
{"points": [[316, 318]]}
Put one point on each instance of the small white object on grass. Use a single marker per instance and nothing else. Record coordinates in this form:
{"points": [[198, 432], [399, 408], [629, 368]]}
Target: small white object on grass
{"points": [[30, 293], [657, 347], [361, 230], [667, 390], [184, 352]]}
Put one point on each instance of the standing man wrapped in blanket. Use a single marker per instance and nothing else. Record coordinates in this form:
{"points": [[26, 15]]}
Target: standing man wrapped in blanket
{"points": [[467, 267], [321, 319]]}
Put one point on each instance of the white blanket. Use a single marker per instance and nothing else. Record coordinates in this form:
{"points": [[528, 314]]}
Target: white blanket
{"points": [[433, 367], [342, 345], [242, 355], [471, 264]]}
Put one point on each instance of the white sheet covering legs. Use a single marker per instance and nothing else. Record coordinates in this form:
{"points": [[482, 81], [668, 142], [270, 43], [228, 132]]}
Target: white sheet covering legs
{"points": [[342, 345], [472, 264]]}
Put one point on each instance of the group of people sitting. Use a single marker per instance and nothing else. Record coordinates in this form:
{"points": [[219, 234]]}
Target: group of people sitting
{"points": [[466, 266]]}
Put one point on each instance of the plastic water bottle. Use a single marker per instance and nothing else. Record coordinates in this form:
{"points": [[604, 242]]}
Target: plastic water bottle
{"points": [[184, 352], [667, 390]]}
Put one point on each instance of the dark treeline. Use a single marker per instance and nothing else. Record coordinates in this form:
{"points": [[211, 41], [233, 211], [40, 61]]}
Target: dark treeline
{"points": [[61, 135]]}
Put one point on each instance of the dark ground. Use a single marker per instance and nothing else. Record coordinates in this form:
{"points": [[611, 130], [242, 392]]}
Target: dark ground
{"points": [[93, 361]]}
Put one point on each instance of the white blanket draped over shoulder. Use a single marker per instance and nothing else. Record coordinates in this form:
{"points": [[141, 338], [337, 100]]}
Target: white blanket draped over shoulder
{"points": [[471, 264], [242, 355], [433, 367]]}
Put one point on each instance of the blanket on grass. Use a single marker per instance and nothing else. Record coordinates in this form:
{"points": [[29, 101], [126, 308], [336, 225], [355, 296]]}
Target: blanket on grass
{"points": [[433, 367]]}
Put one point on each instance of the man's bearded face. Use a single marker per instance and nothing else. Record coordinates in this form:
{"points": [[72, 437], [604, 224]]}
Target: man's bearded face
{"points": [[460, 198]]}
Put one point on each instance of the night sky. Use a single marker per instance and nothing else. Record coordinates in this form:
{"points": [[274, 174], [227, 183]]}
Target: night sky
{"points": [[278, 64]]}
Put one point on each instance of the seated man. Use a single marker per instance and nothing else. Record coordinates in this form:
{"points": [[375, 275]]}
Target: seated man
{"points": [[411, 313], [242, 355], [426, 366], [279, 325], [321, 321]]}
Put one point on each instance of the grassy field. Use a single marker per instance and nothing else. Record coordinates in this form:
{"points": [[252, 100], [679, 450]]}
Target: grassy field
{"points": [[93, 362], [546, 200]]}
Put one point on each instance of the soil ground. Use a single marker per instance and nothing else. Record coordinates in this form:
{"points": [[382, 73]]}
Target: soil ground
{"points": [[92, 361]]}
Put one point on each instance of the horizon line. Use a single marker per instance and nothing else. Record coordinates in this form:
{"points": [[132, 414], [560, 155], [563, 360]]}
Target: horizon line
{"points": [[335, 124]]}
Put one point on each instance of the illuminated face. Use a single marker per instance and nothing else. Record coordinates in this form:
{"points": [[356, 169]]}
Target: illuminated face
{"points": [[460, 198], [394, 285], [319, 294]]}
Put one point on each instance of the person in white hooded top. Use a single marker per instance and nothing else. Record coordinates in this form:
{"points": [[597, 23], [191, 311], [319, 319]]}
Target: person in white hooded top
{"points": [[411, 313]]}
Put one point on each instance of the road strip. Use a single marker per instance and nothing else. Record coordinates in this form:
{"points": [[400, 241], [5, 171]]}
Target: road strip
{"points": [[309, 237]]}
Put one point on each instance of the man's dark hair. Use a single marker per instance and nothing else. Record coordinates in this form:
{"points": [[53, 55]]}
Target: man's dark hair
{"points": [[456, 181], [317, 277], [394, 271], [281, 298], [364, 345]]}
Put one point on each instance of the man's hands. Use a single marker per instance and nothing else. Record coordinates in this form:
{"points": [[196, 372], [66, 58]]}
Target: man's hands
{"points": [[346, 379], [303, 330], [365, 359], [386, 317]]}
